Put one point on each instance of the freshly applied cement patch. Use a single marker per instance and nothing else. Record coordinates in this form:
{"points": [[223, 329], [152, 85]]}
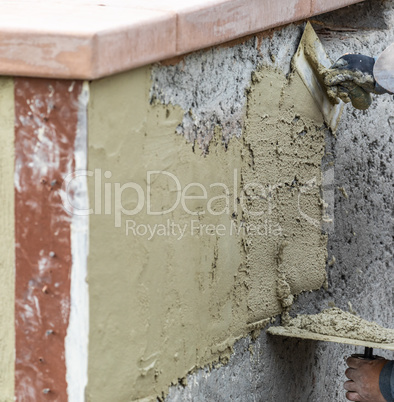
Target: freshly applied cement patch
{"points": [[173, 285], [284, 145]]}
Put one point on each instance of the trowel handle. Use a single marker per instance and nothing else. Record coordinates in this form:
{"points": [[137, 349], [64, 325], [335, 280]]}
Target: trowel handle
{"points": [[368, 355]]}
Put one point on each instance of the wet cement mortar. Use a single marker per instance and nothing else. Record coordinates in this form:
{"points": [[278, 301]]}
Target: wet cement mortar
{"points": [[358, 170], [336, 322]]}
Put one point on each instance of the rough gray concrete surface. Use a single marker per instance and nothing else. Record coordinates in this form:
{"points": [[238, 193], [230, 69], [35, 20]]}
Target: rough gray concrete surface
{"points": [[210, 85], [359, 162]]}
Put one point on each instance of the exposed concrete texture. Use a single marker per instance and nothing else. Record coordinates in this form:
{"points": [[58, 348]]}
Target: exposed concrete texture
{"points": [[267, 369], [358, 169], [210, 85], [360, 269], [7, 241]]}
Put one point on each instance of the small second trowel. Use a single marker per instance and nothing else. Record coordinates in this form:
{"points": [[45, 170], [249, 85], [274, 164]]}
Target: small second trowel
{"points": [[336, 325], [310, 61], [304, 334]]}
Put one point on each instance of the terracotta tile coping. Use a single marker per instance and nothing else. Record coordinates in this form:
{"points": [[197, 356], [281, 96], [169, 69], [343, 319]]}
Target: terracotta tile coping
{"points": [[89, 39]]}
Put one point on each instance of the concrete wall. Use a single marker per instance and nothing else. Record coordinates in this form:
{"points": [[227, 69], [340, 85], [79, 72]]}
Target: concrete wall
{"points": [[295, 219], [358, 168], [175, 305]]}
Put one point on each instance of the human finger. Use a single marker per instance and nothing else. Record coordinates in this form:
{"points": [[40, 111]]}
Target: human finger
{"points": [[353, 396], [341, 77], [349, 373], [338, 92], [343, 94], [354, 362], [350, 386], [335, 77], [360, 98]]}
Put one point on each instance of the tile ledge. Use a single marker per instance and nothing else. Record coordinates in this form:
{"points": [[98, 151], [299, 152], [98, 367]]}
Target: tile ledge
{"points": [[91, 39]]}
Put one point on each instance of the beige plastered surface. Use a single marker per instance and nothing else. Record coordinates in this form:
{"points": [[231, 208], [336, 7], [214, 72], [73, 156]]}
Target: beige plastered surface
{"points": [[162, 307], [7, 244]]}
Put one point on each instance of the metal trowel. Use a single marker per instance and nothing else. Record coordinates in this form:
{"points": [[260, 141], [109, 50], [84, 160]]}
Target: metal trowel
{"points": [[310, 61], [304, 334]]}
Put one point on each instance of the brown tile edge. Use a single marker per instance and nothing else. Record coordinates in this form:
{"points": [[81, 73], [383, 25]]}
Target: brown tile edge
{"points": [[88, 64]]}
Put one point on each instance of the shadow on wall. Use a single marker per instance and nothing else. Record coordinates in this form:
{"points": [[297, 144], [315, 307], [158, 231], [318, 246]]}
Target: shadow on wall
{"points": [[367, 15]]}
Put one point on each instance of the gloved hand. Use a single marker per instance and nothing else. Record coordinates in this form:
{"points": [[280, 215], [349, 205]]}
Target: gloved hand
{"points": [[351, 79]]}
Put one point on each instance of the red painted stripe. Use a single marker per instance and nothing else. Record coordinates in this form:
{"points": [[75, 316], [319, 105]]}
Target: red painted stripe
{"points": [[46, 116]]}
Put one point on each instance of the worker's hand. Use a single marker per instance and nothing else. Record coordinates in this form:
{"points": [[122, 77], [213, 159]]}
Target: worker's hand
{"points": [[363, 384], [351, 79]]}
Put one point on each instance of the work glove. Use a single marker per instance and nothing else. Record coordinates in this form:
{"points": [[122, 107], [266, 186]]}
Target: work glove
{"points": [[351, 79]]}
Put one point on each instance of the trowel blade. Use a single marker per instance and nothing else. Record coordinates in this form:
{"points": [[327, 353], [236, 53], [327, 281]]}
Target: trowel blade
{"points": [[304, 334], [310, 60]]}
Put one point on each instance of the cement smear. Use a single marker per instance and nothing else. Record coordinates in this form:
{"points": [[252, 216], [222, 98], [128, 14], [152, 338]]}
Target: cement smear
{"points": [[7, 243], [164, 303], [336, 322], [284, 145]]}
